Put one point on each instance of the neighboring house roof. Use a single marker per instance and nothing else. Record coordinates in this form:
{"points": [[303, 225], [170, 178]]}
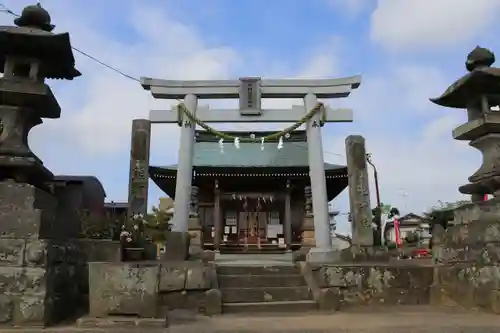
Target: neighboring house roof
{"points": [[411, 216], [93, 184], [411, 220]]}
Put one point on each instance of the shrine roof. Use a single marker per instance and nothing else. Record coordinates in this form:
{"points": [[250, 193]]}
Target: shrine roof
{"points": [[250, 155], [294, 153], [252, 163], [173, 167]]}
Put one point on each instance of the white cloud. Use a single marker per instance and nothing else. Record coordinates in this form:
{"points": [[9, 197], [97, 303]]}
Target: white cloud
{"points": [[350, 7], [427, 167], [99, 121], [411, 146], [409, 25], [409, 137]]}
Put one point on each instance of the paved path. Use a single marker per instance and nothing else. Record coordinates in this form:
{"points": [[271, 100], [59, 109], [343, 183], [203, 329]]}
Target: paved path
{"points": [[420, 319]]}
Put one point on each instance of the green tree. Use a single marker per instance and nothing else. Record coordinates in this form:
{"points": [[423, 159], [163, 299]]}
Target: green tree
{"points": [[442, 213], [377, 213], [385, 208], [158, 217], [158, 222]]}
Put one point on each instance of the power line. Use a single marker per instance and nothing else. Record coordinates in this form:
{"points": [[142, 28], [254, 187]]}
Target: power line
{"points": [[106, 65], [4, 9]]}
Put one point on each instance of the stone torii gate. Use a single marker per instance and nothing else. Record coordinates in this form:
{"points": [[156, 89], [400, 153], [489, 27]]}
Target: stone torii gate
{"points": [[250, 91]]}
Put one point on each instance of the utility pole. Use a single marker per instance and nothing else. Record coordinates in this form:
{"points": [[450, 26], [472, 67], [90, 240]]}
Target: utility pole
{"points": [[378, 215]]}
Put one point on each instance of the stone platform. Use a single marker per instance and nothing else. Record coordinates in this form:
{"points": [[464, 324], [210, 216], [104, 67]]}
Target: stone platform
{"points": [[149, 289], [467, 256]]}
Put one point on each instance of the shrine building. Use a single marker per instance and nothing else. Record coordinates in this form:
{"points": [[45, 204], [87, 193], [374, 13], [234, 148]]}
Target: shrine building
{"points": [[252, 198]]}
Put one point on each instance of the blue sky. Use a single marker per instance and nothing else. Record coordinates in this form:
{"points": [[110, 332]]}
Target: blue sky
{"points": [[406, 50]]}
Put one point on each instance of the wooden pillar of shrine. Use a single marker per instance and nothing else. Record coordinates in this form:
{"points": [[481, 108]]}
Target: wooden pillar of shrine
{"points": [[217, 217], [288, 217]]}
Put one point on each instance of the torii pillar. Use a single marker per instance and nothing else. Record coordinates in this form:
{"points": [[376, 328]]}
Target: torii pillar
{"points": [[250, 91]]}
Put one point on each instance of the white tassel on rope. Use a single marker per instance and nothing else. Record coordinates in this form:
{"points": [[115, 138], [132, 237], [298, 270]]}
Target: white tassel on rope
{"points": [[221, 146], [280, 143], [262, 144], [237, 143]]}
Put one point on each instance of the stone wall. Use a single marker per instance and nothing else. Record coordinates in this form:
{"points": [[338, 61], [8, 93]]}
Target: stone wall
{"points": [[37, 281], [338, 286], [467, 259], [41, 278], [150, 289]]}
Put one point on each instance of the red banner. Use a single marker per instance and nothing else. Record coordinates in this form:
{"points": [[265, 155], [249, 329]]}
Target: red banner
{"points": [[397, 233]]}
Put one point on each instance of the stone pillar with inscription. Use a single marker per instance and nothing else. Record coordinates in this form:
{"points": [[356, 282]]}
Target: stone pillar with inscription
{"points": [[139, 164], [359, 191], [307, 238], [195, 228]]}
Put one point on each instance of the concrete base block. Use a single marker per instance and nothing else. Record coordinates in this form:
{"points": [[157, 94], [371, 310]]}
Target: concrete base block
{"points": [[323, 256], [300, 255], [213, 302], [330, 299], [176, 246]]}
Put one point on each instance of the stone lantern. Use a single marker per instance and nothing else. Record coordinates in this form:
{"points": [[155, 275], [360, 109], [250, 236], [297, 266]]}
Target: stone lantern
{"points": [[29, 53], [465, 253], [479, 93], [39, 262]]}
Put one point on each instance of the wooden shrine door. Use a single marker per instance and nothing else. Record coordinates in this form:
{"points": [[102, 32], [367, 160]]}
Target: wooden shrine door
{"points": [[254, 223], [252, 228]]}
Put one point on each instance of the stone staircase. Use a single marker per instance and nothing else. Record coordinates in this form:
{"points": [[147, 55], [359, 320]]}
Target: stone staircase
{"points": [[253, 288]]}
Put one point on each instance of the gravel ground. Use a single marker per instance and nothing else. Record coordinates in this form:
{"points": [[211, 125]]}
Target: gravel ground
{"points": [[388, 320]]}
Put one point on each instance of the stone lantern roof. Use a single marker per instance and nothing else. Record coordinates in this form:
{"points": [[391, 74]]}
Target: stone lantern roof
{"points": [[482, 80], [32, 38], [35, 16]]}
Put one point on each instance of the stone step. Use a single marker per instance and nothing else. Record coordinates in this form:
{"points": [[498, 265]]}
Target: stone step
{"points": [[258, 281], [257, 270], [258, 257], [266, 294], [270, 307], [240, 249]]}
